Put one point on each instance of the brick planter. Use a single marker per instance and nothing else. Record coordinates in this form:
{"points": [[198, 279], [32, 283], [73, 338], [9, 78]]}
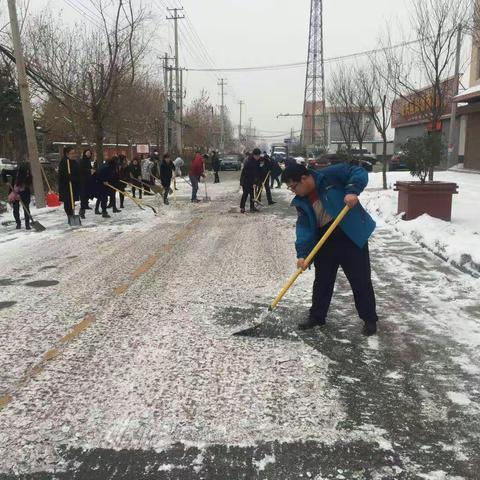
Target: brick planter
{"points": [[432, 198]]}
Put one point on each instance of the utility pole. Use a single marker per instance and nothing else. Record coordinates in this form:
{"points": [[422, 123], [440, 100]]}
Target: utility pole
{"points": [[166, 113], [171, 113], [26, 108], [241, 103], [178, 92], [222, 83], [452, 156]]}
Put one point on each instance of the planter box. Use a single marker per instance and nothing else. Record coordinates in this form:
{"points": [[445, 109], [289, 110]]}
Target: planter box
{"points": [[433, 198]]}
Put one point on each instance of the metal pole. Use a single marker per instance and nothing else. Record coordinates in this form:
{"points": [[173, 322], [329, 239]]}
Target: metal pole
{"points": [[222, 114], [241, 103], [165, 105], [26, 108], [452, 156]]}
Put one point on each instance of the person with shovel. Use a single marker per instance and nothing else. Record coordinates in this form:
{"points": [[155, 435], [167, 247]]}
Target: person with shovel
{"points": [[135, 175], [166, 174], [249, 178], [85, 175], [20, 193], [216, 166], [320, 196], [265, 173], [68, 181]]}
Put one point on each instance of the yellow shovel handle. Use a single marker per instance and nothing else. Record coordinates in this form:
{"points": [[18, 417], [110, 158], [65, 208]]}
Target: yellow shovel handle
{"points": [[263, 185], [134, 200], [45, 177], [310, 258], [70, 185]]}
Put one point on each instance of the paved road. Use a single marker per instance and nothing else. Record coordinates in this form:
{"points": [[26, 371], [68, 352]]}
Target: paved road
{"points": [[121, 363]]}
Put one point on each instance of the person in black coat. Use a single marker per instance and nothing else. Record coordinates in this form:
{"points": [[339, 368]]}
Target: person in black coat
{"points": [[65, 180], [166, 174], [20, 189], [135, 174], [85, 172], [265, 173], [249, 178], [216, 166], [105, 174], [123, 176], [115, 182], [276, 173]]}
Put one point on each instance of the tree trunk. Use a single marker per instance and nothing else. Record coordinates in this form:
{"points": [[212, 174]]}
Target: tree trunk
{"points": [[384, 161], [99, 142]]}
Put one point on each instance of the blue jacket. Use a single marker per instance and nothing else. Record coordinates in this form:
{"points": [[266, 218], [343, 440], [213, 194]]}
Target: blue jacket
{"points": [[333, 183]]}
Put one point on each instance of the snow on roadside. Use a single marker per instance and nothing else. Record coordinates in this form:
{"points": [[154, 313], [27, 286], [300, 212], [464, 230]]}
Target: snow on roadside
{"points": [[457, 241]]}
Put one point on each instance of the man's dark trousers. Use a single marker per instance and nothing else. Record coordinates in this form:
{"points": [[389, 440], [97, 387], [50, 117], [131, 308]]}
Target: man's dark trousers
{"points": [[340, 251], [247, 190]]}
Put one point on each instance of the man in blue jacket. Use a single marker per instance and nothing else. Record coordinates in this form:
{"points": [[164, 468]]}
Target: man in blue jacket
{"points": [[320, 197]]}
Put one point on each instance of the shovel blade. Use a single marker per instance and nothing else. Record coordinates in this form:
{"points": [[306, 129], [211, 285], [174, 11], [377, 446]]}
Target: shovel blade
{"points": [[74, 221], [37, 226]]}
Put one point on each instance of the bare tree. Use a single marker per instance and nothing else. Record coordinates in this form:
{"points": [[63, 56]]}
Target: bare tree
{"points": [[429, 62], [85, 72], [379, 97], [349, 105]]}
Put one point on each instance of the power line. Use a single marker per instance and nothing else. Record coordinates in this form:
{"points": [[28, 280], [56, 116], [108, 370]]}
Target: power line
{"points": [[303, 64]]}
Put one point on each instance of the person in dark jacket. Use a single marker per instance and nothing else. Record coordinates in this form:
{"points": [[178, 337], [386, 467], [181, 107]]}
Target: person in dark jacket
{"points": [[195, 173], [320, 197], [115, 182], [265, 173], [166, 174], [105, 174], [65, 180], [249, 178], [123, 176], [276, 173], [135, 174], [216, 166], [85, 173], [20, 189]]}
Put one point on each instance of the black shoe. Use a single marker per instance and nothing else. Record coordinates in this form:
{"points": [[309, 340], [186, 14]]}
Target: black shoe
{"points": [[166, 202], [311, 322], [28, 227], [97, 212], [19, 226], [242, 210], [272, 203], [82, 214], [106, 215], [116, 210], [369, 329]]}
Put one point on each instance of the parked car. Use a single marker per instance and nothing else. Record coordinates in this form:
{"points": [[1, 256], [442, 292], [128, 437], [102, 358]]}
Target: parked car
{"points": [[44, 161], [231, 162], [369, 156], [318, 163], [7, 165], [398, 162], [334, 158]]}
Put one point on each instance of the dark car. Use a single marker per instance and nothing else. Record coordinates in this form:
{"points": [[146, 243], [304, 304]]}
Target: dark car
{"points": [[231, 162], [334, 158], [398, 162]]}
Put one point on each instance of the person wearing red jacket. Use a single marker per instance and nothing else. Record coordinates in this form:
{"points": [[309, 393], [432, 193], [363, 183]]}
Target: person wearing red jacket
{"points": [[195, 173]]}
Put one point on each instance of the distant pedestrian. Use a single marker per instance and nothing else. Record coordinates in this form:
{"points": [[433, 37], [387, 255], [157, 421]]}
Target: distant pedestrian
{"points": [[265, 173], [195, 173], [124, 177], [249, 178], [135, 174], [105, 175], [166, 174], [178, 163], [276, 173], [320, 196], [85, 175], [216, 166], [68, 183], [114, 164], [20, 190], [147, 167]]}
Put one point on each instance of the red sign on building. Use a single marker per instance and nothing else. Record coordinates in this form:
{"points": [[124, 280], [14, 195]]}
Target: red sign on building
{"points": [[417, 107]]}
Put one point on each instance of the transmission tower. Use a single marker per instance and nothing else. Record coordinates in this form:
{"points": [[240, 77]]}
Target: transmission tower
{"points": [[314, 108]]}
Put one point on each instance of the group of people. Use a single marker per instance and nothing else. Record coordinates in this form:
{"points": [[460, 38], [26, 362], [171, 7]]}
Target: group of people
{"points": [[259, 173], [84, 180]]}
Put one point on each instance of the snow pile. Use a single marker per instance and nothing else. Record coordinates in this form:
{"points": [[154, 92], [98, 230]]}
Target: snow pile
{"points": [[457, 241]]}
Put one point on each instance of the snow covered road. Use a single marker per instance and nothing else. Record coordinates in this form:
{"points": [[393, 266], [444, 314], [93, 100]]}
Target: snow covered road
{"points": [[120, 363]]}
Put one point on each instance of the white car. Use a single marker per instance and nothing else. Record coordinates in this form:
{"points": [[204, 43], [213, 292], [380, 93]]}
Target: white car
{"points": [[7, 165]]}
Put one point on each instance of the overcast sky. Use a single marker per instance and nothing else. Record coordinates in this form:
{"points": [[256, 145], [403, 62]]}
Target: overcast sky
{"points": [[244, 33]]}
